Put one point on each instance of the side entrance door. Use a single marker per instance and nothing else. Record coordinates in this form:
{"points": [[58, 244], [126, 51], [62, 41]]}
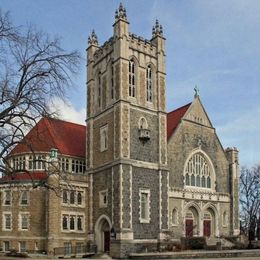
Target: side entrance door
{"points": [[206, 228], [189, 227], [106, 241]]}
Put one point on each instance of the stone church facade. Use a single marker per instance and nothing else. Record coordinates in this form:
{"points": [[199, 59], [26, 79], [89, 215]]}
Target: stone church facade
{"points": [[148, 172]]}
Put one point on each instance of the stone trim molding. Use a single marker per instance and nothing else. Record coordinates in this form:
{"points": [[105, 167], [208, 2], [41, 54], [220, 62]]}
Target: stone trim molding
{"points": [[199, 195]]}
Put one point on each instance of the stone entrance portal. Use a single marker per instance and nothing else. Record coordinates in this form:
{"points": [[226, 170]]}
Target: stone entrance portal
{"points": [[102, 233]]}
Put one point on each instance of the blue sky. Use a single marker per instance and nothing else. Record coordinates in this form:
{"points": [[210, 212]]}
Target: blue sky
{"points": [[212, 44]]}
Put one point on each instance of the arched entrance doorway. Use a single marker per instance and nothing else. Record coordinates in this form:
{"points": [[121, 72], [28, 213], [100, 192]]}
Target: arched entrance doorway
{"points": [[209, 224], [191, 222], [102, 233]]}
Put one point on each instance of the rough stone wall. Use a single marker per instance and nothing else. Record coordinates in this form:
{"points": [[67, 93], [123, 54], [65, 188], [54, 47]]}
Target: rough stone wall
{"points": [[183, 141], [145, 179], [102, 181], [148, 151]]}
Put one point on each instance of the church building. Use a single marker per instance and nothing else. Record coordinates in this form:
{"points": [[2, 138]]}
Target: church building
{"points": [[140, 173]]}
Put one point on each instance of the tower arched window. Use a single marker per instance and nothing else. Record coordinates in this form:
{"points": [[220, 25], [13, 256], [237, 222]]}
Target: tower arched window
{"points": [[149, 84], [132, 83], [198, 171], [99, 90], [112, 82]]}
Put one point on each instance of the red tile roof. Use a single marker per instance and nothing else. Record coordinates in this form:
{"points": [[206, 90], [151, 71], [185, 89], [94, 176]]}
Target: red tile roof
{"points": [[68, 138], [25, 176], [174, 118]]}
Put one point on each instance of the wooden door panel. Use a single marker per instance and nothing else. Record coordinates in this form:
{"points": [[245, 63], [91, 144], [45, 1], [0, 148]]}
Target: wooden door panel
{"points": [[207, 228], [106, 241], [189, 227]]}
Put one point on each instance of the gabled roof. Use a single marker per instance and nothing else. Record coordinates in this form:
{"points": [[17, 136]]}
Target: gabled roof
{"points": [[174, 118], [25, 176], [68, 138]]}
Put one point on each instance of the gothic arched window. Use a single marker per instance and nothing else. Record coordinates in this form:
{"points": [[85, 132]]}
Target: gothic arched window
{"points": [[149, 84], [65, 222], [79, 223], [72, 223], [143, 123], [79, 198], [198, 172], [112, 82], [72, 197], [131, 78], [174, 216], [224, 220]]}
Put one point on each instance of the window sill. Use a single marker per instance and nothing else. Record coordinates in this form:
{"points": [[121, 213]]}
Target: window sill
{"points": [[73, 231], [145, 221]]}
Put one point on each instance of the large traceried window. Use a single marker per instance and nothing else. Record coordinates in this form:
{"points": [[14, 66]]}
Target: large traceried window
{"points": [[198, 172], [149, 84], [131, 78]]}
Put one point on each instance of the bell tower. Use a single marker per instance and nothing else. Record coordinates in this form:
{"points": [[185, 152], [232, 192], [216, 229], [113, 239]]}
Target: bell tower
{"points": [[127, 140]]}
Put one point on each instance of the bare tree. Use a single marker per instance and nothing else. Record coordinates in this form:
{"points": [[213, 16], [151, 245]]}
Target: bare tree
{"points": [[250, 201], [34, 69]]}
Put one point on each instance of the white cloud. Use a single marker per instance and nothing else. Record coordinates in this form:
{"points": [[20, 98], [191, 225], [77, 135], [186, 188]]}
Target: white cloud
{"points": [[66, 111]]}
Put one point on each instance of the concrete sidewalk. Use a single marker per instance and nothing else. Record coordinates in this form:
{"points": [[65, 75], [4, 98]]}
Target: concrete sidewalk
{"points": [[198, 254]]}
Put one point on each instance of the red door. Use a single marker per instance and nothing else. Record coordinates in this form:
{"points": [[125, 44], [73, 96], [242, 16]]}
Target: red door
{"points": [[189, 227], [106, 241], [206, 228]]}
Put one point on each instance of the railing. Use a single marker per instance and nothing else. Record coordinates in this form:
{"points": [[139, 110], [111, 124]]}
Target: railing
{"points": [[75, 250]]}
